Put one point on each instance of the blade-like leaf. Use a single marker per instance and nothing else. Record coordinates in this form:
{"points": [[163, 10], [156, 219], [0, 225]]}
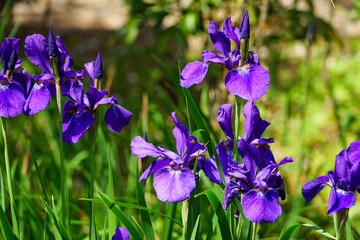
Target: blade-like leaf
{"points": [[195, 229], [319, 230], [286, 235], [222, 220], [122, 217], [6, 227]]}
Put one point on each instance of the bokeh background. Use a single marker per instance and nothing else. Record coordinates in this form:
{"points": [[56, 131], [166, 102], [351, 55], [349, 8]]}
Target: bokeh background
{"points": [[310, 48]]}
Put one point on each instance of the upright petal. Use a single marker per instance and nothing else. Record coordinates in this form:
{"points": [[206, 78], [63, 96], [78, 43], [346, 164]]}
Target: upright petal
{"points": [[249, 83], [181, 134], [254, 126], [142, 148], [342, 166], [355, 176], [98, 71], [245, 27], [231, 32], [224, 120], [117, 117], [174, 185], [36, 50], [76, 92], [53, 48], [11, 99], [65, 58], [8, 47], [90, 68], [353, 152], [312, 188], [193, 73], [121, 234], [211, 57], [93, 97], [340, 199], [261, 206], [220, 41]]}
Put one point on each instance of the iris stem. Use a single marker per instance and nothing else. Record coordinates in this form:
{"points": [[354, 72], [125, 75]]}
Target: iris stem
{"points": [[8, 176], [252, 230], [340, 219], [170, 211], [238, 105]]}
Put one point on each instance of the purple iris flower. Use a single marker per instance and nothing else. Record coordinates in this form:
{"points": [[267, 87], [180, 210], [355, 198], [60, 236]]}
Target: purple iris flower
{"points": [[121, 234], [12, 97], [39, 51], [258, 177], [174, 179], [343, 182], [79, 110], [247, 80]]}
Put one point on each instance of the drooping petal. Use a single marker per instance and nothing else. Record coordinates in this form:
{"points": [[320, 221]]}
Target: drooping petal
{"points": [[181, 134], [121, 234], [224, 120], [193, 73], [174, 185], [232, 190], [210, 169], [220, 41], [261, 206], [93, 97], [340, 199], [36, 50], [75, 124], [266, 156], [231, 32], [249, 83], [225, 153], [312, 188], [38, 99], [154, 167], [254, 126], [250, 156], [117, 117], [22, 77], [11, 99], [74, 74], [142, 148]]}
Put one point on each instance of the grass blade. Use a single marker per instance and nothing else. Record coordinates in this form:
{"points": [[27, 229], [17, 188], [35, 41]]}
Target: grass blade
{"points": [[56, 221], [145, 217], [110, 192], [195, 229], [6, 227], [319, 230], [170, 212], [122, 217], [286, 235], [222, 220]]}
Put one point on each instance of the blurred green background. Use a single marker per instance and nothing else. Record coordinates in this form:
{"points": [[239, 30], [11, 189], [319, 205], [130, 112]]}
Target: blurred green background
{"points": [[310, 48]]}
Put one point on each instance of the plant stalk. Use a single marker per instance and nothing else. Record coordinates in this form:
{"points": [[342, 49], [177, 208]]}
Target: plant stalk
{"points": [[238, 105]]}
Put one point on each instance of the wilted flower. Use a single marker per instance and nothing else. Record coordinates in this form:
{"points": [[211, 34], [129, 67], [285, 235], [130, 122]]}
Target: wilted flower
{"points": [[174, 179]]}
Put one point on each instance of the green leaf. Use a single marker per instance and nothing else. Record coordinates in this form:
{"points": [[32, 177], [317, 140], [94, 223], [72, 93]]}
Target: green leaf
{"points": [[348, 232], [6, 227], [145, 217], [219, 212], [122, 217], [168, 226], [195, 229], [319, 230], [56, 221], [286, 235], [110, 192]]}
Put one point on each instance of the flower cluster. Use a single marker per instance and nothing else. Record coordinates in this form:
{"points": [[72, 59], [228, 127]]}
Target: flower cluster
{"points": [[245, 78], [344, 181], [174, 178], [21, 93], [257, 177]]}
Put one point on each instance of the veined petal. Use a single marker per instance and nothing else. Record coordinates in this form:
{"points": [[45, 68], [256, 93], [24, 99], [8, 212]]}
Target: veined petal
{"points": [[75, 125], [342, 166], [76, 92], [11, 99], [121, 234], [261, 206], [193, 73], [312, 188], [254, 126], [340, 199], [155, 166], [38, 99], [210, 169], [220, 41], [7, 48], [142, 148], [231, 32], [224, 120], [173, 185], [36, 50], [249, 83], [117, 117]]}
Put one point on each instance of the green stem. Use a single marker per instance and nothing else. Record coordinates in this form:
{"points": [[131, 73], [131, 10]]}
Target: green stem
{"points": [[8, 176], [336, 217], [253, 230], [170, 211], [238, 105]]}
